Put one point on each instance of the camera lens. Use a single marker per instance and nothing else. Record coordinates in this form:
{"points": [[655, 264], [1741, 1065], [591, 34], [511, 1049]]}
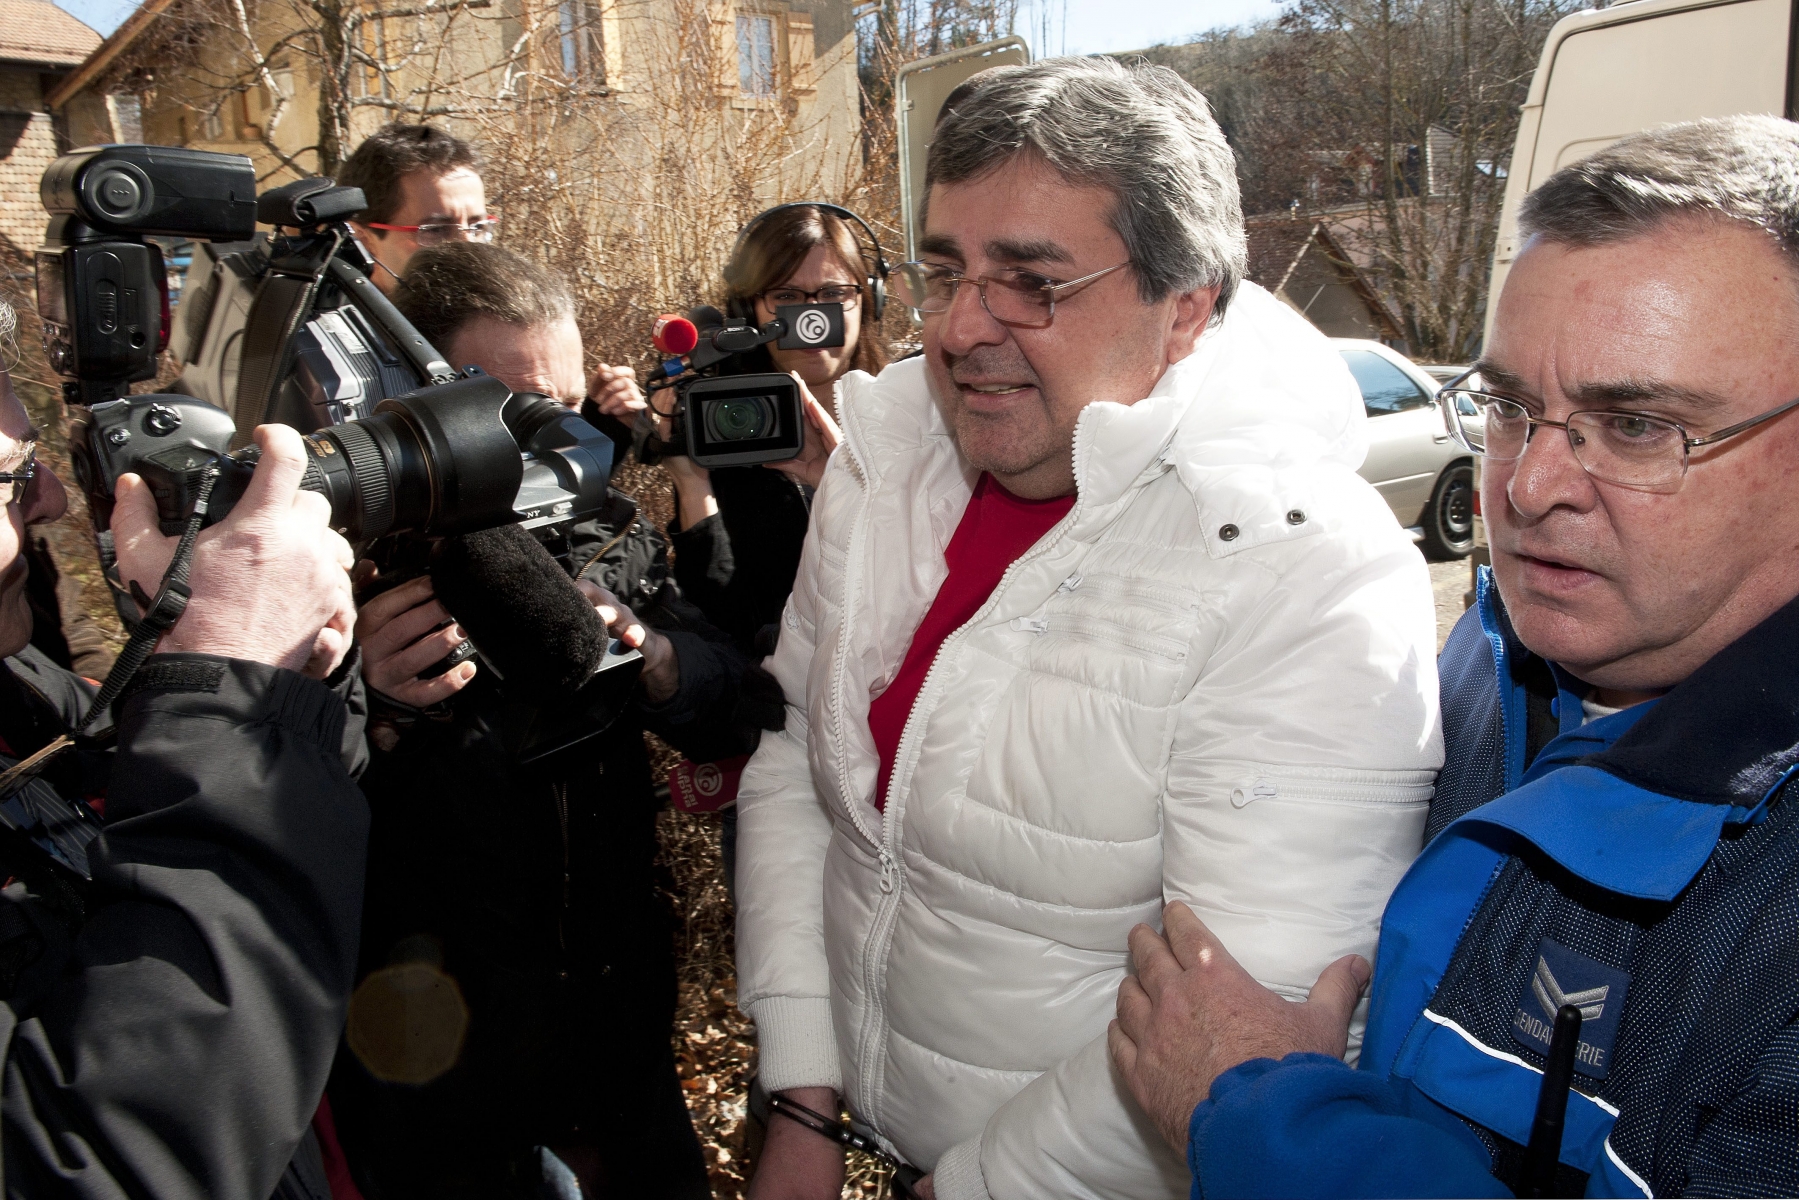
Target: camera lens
{"points": [[739, 420], [437, 461]]}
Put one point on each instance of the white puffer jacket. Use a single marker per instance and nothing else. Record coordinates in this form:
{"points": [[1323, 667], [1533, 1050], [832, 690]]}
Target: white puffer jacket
{"points": [[1214, 681]]}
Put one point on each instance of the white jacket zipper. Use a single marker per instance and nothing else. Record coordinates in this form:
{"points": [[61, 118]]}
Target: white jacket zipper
{"points": [[880, 938]]}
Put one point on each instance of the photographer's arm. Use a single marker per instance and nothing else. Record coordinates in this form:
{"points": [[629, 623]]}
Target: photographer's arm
{"points": [[701, 694], [177, 1043]]}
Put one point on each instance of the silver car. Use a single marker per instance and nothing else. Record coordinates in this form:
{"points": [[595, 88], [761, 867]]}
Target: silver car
{"points": [[1426, 479]]}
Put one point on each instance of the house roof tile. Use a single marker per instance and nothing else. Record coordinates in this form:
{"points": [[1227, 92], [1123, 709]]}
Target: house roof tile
{"points": [[37, 31]]}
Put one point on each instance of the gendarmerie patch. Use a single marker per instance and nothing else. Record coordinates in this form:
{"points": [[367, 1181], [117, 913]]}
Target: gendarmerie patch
{"points": [[1561, 976]]}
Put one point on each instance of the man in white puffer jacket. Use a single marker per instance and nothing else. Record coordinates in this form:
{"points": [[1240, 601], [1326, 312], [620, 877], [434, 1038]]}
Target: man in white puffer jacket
{"points": [[1094, 614]]}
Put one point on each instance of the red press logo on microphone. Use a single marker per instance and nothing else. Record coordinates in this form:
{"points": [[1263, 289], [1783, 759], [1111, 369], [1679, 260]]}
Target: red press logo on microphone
{"points": [[705, 787]]}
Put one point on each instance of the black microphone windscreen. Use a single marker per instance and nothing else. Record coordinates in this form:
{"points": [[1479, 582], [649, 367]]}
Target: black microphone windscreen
{"points": [[705, 317], [520, 609]]}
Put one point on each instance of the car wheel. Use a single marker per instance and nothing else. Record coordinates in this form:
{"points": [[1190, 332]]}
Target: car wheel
{"points": [[1449, 518]]}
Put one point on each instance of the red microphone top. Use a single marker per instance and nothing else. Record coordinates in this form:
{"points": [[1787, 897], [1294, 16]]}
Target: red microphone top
{"points": [[674, 335]]}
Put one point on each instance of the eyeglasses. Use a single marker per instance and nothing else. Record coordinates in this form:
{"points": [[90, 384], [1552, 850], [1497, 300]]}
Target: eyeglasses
{"points": [[18, 480], [847, 294], [1021, 299], [440, 232], [1625, 448]]}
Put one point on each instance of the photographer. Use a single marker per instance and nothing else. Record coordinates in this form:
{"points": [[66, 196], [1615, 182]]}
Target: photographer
{"points": [[737, 531], [527, 892], [169, 1021]]}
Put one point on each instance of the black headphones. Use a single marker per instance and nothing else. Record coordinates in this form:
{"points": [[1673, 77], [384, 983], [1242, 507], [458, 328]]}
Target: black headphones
{"points": [[876, 283]]}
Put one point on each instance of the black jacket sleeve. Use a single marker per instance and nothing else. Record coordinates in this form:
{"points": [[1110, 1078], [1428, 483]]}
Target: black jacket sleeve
{"points": [[175, 1042], [724, 700]]}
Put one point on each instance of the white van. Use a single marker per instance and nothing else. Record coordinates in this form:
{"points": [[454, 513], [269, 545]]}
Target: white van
{"points": [[1608, 72]]}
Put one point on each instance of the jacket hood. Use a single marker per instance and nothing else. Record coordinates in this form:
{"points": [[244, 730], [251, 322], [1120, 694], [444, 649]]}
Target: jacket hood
{"points": [[1263, 389]]}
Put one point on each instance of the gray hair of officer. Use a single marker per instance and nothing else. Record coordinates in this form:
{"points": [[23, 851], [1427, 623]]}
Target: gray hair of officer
{"points": [[1138, 130], [1735, 168]]}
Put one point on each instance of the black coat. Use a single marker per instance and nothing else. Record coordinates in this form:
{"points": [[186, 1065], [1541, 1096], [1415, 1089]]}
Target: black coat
{"points": [[534, 890], [738, 565], [168, 1028]]}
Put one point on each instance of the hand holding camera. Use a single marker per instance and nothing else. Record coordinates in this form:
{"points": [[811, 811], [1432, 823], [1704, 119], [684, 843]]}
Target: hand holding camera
{"points": [[822, 436], [270, 582], [661, 669], [405, 631]]}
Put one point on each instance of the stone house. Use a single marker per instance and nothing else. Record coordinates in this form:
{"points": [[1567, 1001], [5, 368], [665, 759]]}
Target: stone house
{"points": [[39, 45]]}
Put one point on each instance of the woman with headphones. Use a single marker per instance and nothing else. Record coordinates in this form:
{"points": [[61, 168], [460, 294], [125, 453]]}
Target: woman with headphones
{"points": [[738, 531]]}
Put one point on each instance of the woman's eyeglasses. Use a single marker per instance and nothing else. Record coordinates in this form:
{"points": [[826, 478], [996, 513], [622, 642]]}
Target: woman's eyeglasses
{"points": [[847, 294]]}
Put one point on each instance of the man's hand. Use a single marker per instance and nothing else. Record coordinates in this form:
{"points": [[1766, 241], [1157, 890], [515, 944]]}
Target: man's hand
{"points": [[400, 637], [661, 667], [796, 1163], [822, 436], [1191, 1013], [615, 391], [270, 582]]}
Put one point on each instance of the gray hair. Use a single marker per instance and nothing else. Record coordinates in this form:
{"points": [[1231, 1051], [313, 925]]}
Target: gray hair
{"points": [[9, 335], [1739, 168], [1140, 131]]}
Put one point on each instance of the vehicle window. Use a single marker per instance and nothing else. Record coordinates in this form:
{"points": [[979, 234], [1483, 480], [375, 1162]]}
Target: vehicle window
{"points": [[1385, 388]]}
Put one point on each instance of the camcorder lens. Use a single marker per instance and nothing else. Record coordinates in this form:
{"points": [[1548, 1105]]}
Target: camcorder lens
{"points": [[739, 420]]}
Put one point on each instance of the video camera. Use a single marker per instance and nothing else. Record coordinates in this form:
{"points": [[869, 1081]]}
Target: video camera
{"points": [[721, 420], [460, 454]]}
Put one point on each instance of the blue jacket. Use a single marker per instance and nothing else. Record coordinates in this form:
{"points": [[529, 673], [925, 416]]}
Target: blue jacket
{"points": [[1644, 866]]}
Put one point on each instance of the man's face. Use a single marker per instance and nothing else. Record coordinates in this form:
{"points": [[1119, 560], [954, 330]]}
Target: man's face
{"points": [[454, 197], [44, 500], [821, 268], [1011, 396], [538, 358], [1698, 323]]}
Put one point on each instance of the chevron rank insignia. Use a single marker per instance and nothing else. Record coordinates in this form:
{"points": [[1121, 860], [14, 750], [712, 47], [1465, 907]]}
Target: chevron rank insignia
{"points": [[1559, 976]]}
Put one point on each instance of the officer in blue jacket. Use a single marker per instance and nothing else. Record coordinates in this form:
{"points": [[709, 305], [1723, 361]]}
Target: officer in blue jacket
{"points": [[1613, 832]]}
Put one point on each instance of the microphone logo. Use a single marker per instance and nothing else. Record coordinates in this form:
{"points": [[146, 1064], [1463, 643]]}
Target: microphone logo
{"points": [[813, 327]]}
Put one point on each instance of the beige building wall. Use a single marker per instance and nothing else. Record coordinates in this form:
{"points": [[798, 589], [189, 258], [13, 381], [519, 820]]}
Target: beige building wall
{"points": [[481, 58]]}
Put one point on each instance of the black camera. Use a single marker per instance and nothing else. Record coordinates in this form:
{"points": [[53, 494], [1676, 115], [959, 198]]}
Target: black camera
{"points": [[452, 459], [102, 288], [284, 328], [391, 456], [722, 420]]}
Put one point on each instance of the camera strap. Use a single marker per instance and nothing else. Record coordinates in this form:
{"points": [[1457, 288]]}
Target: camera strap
{"points": [[282, 304], [159, 617]]}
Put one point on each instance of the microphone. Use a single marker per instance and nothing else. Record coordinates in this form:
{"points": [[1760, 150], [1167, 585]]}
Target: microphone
{"points": [[673, 335], [538, 633]]}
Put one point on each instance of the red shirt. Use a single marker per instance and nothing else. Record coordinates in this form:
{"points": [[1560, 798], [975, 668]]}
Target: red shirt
{"points": [[996, 528]]}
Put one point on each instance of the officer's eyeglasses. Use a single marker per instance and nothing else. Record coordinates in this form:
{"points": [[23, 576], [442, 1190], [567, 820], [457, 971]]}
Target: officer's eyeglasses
{"points": [[17, 480], [444, 231], [847, 294], [1626, 448], [1022, 299]]}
